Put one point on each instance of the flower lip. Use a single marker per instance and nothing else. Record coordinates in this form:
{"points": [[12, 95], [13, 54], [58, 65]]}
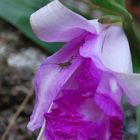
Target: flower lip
{"points": [[72, 116]]}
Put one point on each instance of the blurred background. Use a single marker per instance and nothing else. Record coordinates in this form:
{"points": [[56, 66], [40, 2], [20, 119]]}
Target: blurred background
{"points": [[20, 55]]}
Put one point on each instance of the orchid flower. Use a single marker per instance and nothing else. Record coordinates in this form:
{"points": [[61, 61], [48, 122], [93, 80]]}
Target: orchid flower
{"points": [[79, 89]]}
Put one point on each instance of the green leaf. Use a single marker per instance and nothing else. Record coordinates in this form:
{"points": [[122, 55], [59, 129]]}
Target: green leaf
{"points": [[121, 2], [17, 12], [113, 7]]}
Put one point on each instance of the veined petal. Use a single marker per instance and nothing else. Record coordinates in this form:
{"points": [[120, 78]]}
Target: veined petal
{"points": [[75, 117], [51, 77], [108, 105], [109, 86], [115, 50], [56, 23], [131, 86], [109, 49], [88, 77]]}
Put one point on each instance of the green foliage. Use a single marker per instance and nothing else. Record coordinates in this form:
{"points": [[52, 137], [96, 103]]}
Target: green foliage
{"points": [[17, 12], [121, 2], [114, 7]]}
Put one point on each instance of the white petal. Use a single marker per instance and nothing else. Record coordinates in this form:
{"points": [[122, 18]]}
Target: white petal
{"points": [[109, 49], [115, 51], [54, 22]]}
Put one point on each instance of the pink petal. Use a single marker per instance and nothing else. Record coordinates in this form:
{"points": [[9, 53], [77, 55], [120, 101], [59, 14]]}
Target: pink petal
{"points": [[109, 86], [108, 105], [110, 49], [131, 86], [88, 77], [56, 23], [75, 117], [115, 52], [51, 77]]}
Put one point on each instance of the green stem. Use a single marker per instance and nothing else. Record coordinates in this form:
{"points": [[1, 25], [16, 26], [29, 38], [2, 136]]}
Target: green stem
{"points": [[134, 43]]}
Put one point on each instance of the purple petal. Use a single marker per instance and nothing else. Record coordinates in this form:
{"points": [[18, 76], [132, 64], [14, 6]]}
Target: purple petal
{"points": [[56, 23], [51, 77], [88, 77], [116, 128], [74, 115], [108, 105], [115, 50], [110, 49], [109, 86], [131, 86]]}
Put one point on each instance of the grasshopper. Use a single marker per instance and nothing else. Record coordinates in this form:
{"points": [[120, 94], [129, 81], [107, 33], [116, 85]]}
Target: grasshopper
{"points": [[66, 64]]}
